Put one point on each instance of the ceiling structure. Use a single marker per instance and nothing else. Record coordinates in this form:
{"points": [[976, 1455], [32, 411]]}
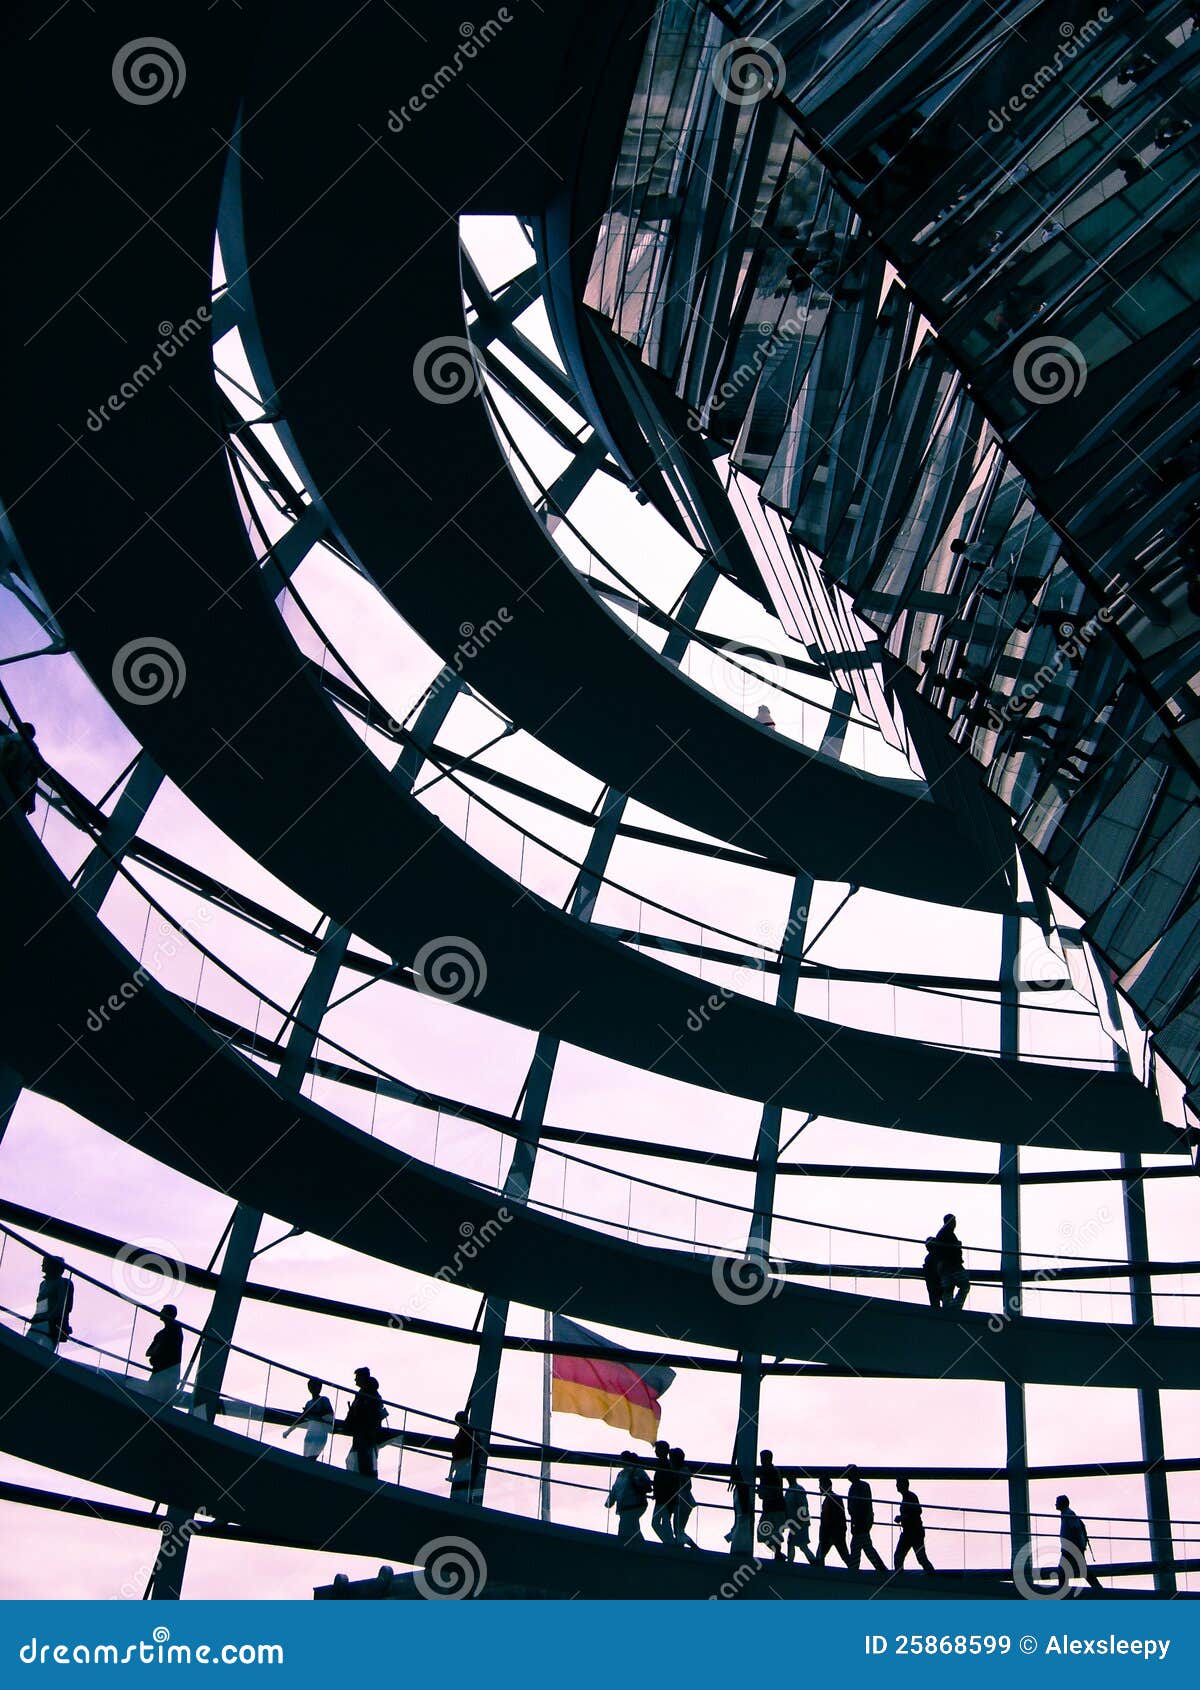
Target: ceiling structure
{"points": [[428, 525]]}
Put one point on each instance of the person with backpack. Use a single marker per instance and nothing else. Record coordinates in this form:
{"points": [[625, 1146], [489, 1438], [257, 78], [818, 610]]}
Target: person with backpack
{"points": [[364, 1422], [629, 1495], [949, 1250]]}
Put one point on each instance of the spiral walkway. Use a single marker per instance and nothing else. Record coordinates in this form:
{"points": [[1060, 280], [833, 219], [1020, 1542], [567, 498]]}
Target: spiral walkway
{"points": [[283, 183]]}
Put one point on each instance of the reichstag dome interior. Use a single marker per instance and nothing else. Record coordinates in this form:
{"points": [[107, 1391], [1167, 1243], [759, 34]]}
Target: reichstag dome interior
{"points": [[600, 663]]}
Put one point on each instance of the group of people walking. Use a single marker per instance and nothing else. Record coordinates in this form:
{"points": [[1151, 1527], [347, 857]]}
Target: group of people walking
{"points": [[844, 1526], [365, 1421], [785, 1519], [671, 1491]]}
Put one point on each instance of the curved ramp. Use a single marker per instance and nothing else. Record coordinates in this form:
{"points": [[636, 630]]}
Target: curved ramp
{"points": [[432, 509], [133, 533], [231, 1126], [106, 1434]]}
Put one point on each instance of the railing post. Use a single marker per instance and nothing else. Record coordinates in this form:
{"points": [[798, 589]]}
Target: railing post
{"points": [[1158, 1500], [1016, 1455], [166, 1581]]}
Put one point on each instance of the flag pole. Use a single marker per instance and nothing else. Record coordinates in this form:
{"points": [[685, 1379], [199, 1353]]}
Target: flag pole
{"points": [[547, 1371]]}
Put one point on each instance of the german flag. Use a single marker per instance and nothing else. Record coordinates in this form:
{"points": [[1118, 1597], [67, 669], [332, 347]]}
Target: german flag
{"points": [[606, 1387]]}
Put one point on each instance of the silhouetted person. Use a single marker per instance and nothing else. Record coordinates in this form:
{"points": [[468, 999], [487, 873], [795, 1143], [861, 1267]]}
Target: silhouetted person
{"points": [[912, 1528], [630, 1490], [862, 1518], [764, 717], [164, 1353], [931, 1268], [466, 1459], [798, 1519], [685, 1502], [21, 764], [1073, 1536], [955, 1283], [51, 1323], [743, 1501], [317, 1418], [364, 1422], [773, 1515], [831, 1532], [666, 1493]]}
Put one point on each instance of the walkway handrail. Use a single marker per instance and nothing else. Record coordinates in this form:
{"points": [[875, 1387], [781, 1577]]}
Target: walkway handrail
{"points": [[448, 772], [528, 1448], [1120, 1269]]}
